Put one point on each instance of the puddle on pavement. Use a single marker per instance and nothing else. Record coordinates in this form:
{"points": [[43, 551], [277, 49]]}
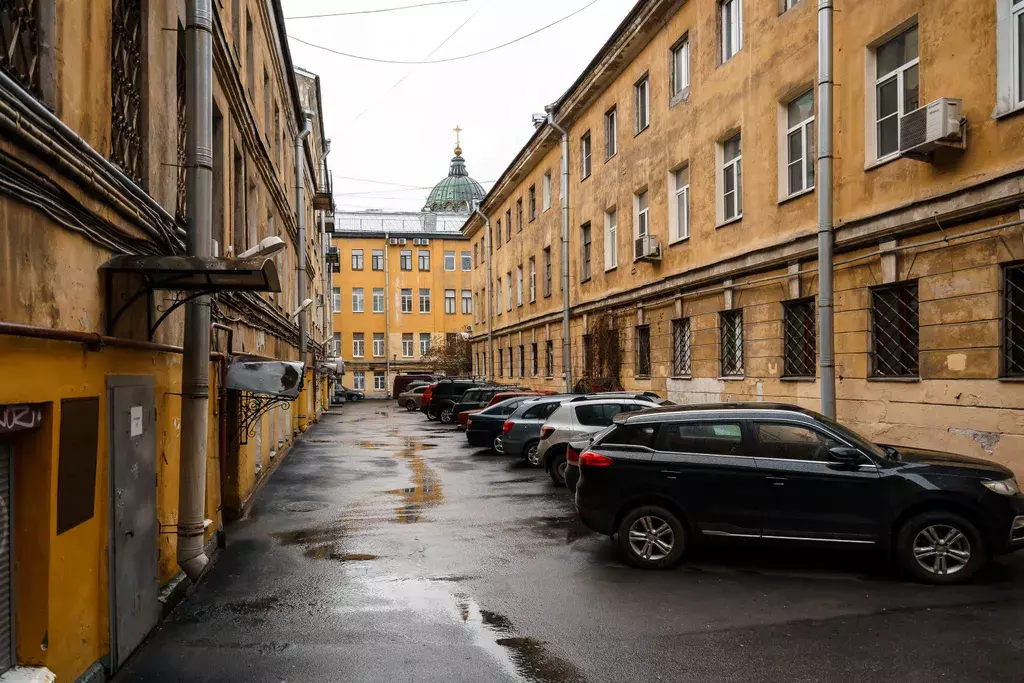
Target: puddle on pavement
{"points": [[425, 490], [331, 551], [255, 605], [324, 533], [554, 527], [372, 445]]}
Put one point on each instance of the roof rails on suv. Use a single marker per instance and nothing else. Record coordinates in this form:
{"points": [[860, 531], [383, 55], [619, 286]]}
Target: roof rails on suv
{"points": [[645, 396]]}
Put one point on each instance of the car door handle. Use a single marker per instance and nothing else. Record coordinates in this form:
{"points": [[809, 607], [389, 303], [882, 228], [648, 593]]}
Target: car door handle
{"points": [[777, 481], [671, 474]]}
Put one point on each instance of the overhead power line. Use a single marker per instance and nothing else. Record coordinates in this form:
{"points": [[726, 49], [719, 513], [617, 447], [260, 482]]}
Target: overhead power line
{"points": [[374, 11], [446, 59]]}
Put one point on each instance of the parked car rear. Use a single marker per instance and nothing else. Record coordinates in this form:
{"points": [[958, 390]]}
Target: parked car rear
{"points": [[474, 398], [442, 397], [402, 383], [661, 479], [411, 397], [484, 429]]}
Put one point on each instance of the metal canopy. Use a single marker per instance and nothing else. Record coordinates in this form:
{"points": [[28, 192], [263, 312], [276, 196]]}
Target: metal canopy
{"points": [[261, 385]]}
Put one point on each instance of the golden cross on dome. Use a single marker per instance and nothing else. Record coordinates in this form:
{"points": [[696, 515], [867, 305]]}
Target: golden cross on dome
{"points": [[458, 147]]}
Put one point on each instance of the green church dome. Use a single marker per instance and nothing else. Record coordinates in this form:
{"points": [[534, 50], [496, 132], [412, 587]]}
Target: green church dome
{"points": [[456, 193]]}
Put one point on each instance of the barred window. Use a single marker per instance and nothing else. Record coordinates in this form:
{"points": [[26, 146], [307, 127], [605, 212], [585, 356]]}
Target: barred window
{"points": [[126, 87], [181, 203], [730, 332], [588, 355], [799, 344], [681, 347], [534, 353], [643, 351], [894, 343], [549, 360], [19, 31], [1013, 321]]}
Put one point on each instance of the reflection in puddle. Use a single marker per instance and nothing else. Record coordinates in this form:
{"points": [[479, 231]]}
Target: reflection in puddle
{"points": [[425, 490], [330, 551], [325, 533], [372, 445]]}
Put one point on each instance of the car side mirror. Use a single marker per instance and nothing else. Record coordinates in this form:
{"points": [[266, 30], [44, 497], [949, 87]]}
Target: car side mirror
{"points": [[846, 455]]}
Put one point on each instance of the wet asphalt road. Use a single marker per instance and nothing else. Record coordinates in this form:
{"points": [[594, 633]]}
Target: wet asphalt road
{"points": [[386, 549]]}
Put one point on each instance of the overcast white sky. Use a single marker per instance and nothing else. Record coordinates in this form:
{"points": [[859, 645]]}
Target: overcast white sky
{"points": [[405, 137]]}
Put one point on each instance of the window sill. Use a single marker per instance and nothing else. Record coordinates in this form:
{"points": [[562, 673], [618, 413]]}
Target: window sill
{"points": [[904, 380], [680, 377], [679, 240], [607, 159], [642, 378], [641, 130], [1011, 379], [611, 268], [798, 379], [732, 378], [875, 163], [681, 96], [796, 195], [585, 177], [1003, 113], [737, 219], [584, 280]]}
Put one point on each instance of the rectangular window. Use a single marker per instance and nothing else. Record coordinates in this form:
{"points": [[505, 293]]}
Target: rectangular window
{"points": [[800, 143], [799, 331], [377, 259], [585, 156], [643, 214], [76, 468], [894, 343], [378, 381], [587, 351], [498, 234], [508, 291], [357, 344], [681, 213], [357, 300], [681, 347], [449, 301], [378, 299], [336, 300], [357, 259], [611, 133], [20, 26], [549, 358], [511, 368], [359, 380], [405, 259], [732, 28], [532, 206], [508, 225], [519, 285], [896, 89], [680, 67], [789, 4], [424, 301], [533, 279], [730, 339], [467, 302], [611, 239], [406, 301], [501, 362], [424, 343], [336, 347], [449, 261], [378, 344], [519, 215], [476, 255], [642, 104], [1009, 55], [424, 260], [498, 295], [584, 252], [250, 56], [643, 351], [467, 261], [546, 191], [732, 178], [547, 271], [534, 360], [1013, 321], [407, 345]]}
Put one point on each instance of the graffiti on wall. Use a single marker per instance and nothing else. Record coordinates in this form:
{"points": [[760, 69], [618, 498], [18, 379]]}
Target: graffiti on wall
{"points": [[17, 418]]}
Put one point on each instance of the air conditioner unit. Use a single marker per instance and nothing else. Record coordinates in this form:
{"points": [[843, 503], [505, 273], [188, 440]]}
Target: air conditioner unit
{"points": [[646, 248], [393, 241], [421, 241], [937, 124], [402, 241]]}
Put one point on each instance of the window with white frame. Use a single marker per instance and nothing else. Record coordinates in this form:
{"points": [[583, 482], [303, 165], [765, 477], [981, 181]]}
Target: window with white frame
{"points": [[789, 4], [547, 272], [497, 293], [546, 191], [424, 260], [585, 155], [449, 301], [532, 204], [467, 301], [336, 299], [378, 381], [799, 144], [508, 291], [642, 214], [533, 278], [732, 28], [896, 89], [407, 345], [378, 344], [679, 210], [424, 343], [337, 345], [611, 133], [359, 380], [641, 104], [680, 67], [424, 301], [358, 300], [405, 259], [449, 261], [585, 252], [519, 215], [519, 285], [467, 261], [611, 239], [406, 297], [1009, 56], [731, 201], [377, 259], [358, 344], [378, 299], [357, 259]]}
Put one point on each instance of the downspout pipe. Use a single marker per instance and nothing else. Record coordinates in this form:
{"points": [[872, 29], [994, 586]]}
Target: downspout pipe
{"points": [[387, 313], [195, 365], [826, 337], [566, 311], [300, 216], [489, 370]]}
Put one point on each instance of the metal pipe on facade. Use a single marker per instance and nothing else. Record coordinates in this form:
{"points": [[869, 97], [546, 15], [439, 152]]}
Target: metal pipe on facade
{"points": [[195, 366], [566, 311], [826, 337], [300, 216], [387, 314], [489, 369]]}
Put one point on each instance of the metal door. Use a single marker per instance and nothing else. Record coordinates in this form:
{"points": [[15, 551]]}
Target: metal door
{"points": [[6, 539], [134, 580]]}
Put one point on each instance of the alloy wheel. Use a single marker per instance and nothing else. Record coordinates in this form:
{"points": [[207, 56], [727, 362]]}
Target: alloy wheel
{"points": [[446, 416], [651, 538], [531, 455], [496, 444], [942, 549], [562, 466]]}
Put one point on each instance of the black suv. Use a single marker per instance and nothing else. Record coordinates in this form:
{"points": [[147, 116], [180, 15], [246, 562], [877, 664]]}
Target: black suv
{"points": [[664, 477], [443, 394]]}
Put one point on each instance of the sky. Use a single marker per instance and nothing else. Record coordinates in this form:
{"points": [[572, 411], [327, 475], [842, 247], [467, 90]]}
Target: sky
{"points": [[402, 136]]}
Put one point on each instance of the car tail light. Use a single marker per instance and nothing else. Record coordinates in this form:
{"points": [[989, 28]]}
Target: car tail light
{"points": [[426, 396], [469, 423], [572, 456], [545, 432], [592, 459], [507, 427]]}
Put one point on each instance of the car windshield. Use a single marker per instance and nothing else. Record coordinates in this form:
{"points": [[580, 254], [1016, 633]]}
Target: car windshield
{"points": [[854, 437], [504, 408]]}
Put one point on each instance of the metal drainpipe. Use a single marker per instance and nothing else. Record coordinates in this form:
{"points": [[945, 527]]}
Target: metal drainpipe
{"points": [[325, 244], [195, 365], [387, 314], [300, 213], [826, 347], [566, 342], [490, 330]]}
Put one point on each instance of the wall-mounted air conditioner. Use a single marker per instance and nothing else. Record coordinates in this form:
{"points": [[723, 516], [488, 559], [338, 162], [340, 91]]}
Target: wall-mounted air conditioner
{"points": [[937, 124], [402, 241], [393, 241], [646, 248]]}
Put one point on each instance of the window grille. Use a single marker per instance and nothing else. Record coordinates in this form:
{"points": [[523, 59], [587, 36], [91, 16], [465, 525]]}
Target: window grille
{"points": [[126, 87], [681, 347], [730, 328], [643, 351], [181, 205], [799, 344], [19, 31], [895, 325], [1013, 322]]}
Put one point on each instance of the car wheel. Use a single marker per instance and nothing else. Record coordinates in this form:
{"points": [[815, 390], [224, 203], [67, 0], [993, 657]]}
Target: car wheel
{"points": [[431, 413], [410, 405], [556, 468], [530, 454], [496, 445], [446, 415], [940, 547], [651, 537]]}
